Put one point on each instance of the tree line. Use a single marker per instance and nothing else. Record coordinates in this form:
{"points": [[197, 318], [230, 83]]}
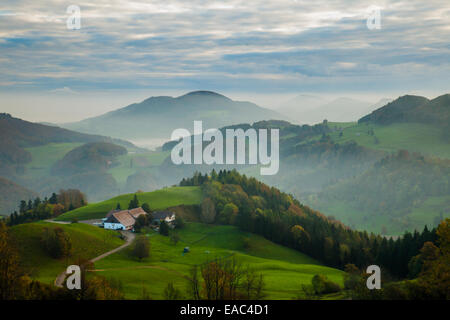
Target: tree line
{"points": [[57, 204]]}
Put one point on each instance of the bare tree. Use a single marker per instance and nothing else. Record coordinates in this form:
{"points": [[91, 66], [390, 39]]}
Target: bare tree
{"points": [[194, 286], [226, 279]]}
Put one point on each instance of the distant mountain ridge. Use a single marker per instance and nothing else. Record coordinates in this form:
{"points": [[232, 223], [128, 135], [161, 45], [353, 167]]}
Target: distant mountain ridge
{"points": [[411, 108], [28, 134], [157, 117]]}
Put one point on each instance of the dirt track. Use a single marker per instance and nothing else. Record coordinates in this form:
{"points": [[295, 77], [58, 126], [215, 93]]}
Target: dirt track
{"points": [[129, 239]]}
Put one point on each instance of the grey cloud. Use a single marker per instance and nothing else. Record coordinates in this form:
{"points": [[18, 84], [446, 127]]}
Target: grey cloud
{"points": [[247, 44]]}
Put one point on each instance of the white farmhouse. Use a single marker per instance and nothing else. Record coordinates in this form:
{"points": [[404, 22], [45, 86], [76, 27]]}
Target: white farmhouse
{"points": [[167, 216], [122, 219]]}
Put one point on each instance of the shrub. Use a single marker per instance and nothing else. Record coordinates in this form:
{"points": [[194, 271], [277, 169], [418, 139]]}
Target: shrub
{"points": [[322, 285], [164, 228], [172, 293], [174, 238], [141, 247], [179, 223]]}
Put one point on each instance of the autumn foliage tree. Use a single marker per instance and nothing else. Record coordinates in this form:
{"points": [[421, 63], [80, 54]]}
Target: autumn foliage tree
{"points": [[435, 276], [57, 242], [10, 272], [208, 210], [71, 197]]}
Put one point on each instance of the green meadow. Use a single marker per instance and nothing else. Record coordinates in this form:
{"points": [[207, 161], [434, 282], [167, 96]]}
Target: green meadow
{"points": [[414, 137], [131, 163], [87, 242], [157, 200], [44, 157], [284, 269]]}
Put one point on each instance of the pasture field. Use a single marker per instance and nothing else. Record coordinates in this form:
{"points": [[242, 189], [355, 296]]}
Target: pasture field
{"points": [[284, 269], [414, 137], [44, 157]]}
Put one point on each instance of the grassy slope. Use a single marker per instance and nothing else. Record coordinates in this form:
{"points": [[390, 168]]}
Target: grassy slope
{"points": [[423, 138], [130, 163], [284, 269], [44, 157], [160, 199], [87, 242]]}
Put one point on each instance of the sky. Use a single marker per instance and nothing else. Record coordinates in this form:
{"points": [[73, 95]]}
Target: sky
{"points": [[262, 51]]}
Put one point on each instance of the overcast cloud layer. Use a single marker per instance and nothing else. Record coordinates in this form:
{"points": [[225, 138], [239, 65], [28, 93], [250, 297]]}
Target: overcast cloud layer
{"points": [[249, 46]]}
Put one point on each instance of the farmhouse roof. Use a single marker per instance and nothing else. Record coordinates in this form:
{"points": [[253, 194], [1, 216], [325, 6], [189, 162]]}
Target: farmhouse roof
{"points": [[137, 212], [125, 217], [162, 214], [111, 213]]}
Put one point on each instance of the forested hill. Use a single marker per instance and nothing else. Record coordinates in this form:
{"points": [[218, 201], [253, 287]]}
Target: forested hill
{"points": [[17, 134], [405, 184], [28, 134], [412, 109], [232, 198], [91, 157], [290, 134]]}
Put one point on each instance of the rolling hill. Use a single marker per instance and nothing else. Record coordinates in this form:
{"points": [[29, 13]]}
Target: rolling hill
{"points": [[11, 194], [412, 109], [87, 242], [157, 117], [28, 134], [158, 200], [94, 156], [29, 151], [16, 135], [428, 139], [284, 269], [278, 264], [331, 166], [404, 185]]}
